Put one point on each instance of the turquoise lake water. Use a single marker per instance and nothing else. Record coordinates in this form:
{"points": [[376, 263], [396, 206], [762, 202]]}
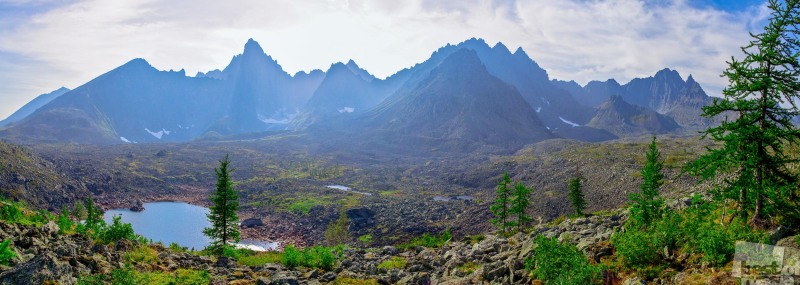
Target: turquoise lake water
{"points": [[177, 222], [168, 222]]}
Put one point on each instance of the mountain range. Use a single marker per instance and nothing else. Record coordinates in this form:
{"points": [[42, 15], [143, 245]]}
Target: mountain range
{"points": [[469, 92]]}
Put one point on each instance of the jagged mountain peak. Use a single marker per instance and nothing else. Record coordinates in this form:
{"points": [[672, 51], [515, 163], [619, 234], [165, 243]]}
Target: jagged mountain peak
{"points": [[668, 74], [500, 47], [363, 73], [136, 64], [460, 62], [521, 53], [690, 80], [252, 47]]}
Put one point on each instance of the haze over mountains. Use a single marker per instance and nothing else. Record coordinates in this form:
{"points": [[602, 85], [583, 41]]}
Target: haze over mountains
{"points": [[469, 92]]}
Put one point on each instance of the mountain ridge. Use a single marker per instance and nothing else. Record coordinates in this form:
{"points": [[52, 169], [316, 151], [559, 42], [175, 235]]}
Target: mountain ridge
{"points": [[253, 95]]}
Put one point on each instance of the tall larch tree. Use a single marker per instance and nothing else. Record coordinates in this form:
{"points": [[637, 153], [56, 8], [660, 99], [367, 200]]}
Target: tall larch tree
{"points": [[500, 206], [757, 108], [519, 205]]}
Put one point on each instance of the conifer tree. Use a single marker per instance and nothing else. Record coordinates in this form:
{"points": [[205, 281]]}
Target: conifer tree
{"points": [[222, 213], [337, 231], [94, 218], [501, 204], [519, 205], [762, 90], [575, 195], [646, 205]]}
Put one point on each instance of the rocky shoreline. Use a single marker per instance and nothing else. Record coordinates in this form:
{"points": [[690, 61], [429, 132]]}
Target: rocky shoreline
{"points": [[43, 254]]}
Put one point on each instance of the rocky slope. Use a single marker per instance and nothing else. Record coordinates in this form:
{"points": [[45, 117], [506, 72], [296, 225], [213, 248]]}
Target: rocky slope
{"points": [[46, 257], [24, 176]]}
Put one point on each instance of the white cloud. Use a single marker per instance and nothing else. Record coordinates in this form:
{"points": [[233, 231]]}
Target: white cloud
{"points": [[572, 39]]}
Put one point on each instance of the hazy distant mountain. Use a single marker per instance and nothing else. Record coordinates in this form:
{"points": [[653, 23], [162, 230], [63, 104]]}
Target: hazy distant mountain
{"points": [[517, 69], [665, 92], [134, 102], [346, 90], [495, 97], [459, 101], [33, 105], [620, 118]]}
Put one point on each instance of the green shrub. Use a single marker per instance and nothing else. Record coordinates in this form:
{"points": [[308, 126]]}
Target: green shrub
{"points": [[365, 239], [142, 254], [65, 224], [561, 263], [313, 257], [317, 257], [477, 238], [175, 247], [116, 231], [230, 251], [428, 240], [291, 257], [637, 248], [11, 213], [180, 276], [394, 262], [6, 254]]}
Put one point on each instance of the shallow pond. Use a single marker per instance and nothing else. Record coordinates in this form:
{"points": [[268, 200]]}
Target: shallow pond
{"points": [[177, 222]]}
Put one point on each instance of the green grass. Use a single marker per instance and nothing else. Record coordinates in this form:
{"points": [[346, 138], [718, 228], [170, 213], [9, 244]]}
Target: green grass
{"points": [[467, 268], [428, 240], [261, 258], [142, 254], [365, 239], [128, 276], [180, 276], [394, 262]]}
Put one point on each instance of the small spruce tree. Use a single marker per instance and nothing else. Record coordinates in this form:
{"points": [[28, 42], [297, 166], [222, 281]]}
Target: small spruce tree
{"points": [[78, 211], [519, 205], [222, 213], [94, 218], [575, 195], [646, 206], [337, 232], [501, 204], [64, 222]]}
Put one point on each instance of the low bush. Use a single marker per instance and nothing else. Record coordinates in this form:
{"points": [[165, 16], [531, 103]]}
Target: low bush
{"points": [[318, 257], [116, 231], [291, 257], [10, 212], [638, 249], [180, 276], [128, 276], [553, 262], [428, 240], [394, 262], [365, 239], [6, 254], [175, 247], [142, 254]]}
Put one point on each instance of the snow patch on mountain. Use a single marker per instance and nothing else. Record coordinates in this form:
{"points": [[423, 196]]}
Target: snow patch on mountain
{"points": [[158, 134], [569, 122]]}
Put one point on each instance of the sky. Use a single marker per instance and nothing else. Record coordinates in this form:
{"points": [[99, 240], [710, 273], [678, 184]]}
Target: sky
{"points": [[46, 44]]}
